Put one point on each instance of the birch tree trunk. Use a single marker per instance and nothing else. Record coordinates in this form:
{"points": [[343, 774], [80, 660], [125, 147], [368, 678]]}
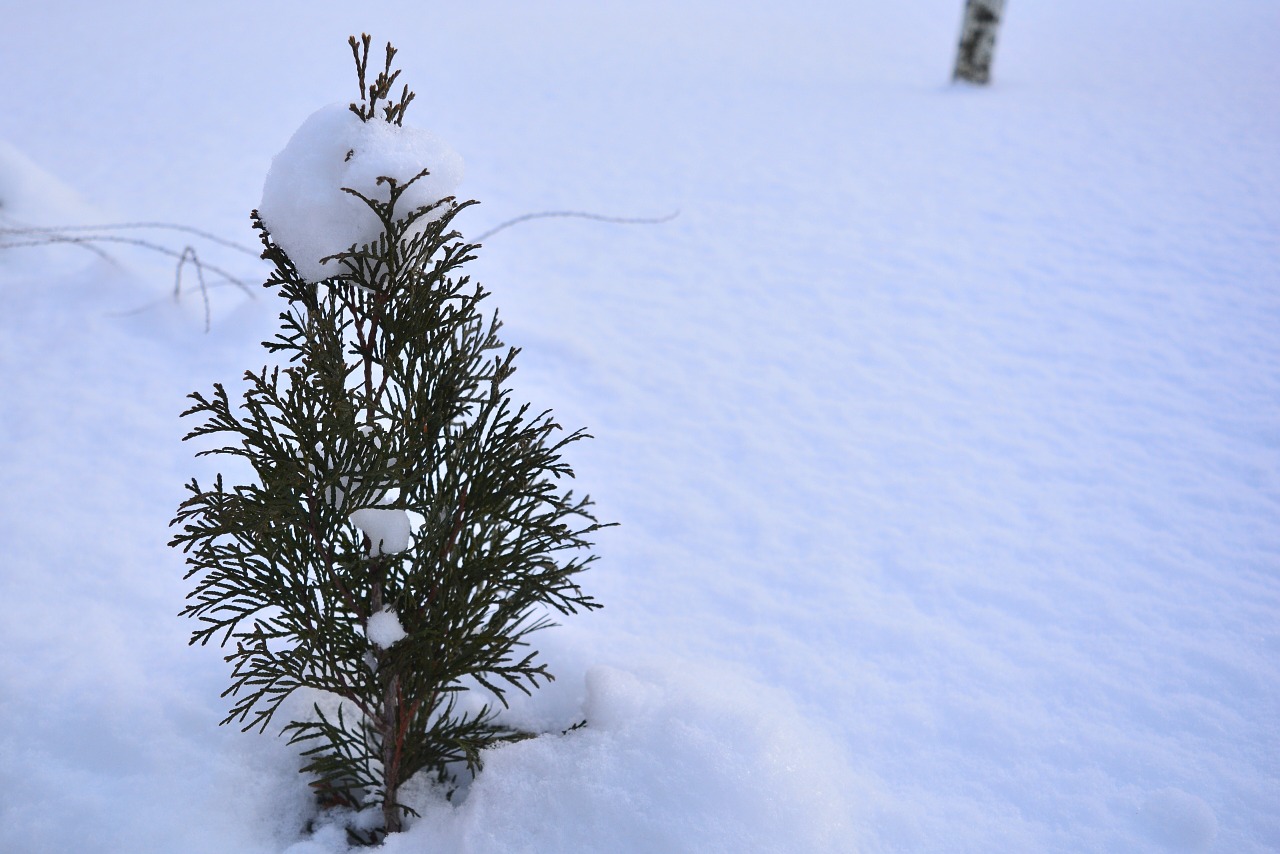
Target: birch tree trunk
{"points": [[978, 40]]}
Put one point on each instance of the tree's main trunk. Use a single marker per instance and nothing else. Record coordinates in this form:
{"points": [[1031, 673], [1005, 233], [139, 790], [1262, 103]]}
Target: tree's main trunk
{"points": [[388, 726], [978, 40], [390, 757]]}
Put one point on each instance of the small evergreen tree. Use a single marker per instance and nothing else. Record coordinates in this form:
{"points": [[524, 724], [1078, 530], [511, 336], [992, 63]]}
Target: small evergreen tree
{"points": [[404, 532]]}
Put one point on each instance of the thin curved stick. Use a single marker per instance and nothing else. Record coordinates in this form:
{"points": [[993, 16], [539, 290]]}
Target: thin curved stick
{"points": [[89, 240], [96, 250], [621, 220], [167, 226], [190, 252]]}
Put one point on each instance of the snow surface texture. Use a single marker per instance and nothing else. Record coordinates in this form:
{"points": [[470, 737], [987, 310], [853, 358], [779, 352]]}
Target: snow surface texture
{"points": [[31, 196], [941, 424], [304, 203]]}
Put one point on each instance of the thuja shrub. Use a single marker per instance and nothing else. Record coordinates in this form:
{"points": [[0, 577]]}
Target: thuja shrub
{"points": [[407, 526]]}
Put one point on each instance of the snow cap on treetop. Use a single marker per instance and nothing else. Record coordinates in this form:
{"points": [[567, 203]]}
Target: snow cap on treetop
{"points": [[303, 203]]}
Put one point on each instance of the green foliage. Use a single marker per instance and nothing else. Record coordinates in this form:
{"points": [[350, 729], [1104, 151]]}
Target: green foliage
{"points": [[389, 395], [392, 111]]}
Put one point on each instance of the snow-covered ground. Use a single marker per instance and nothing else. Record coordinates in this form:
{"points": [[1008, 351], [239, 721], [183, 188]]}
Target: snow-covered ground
{"points": [[942, 425]]}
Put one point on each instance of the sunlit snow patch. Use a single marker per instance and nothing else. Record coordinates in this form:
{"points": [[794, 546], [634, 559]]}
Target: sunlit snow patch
{"points": [[303, 203]]}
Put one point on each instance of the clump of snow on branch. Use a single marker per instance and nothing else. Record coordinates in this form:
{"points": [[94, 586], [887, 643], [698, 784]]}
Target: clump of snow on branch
{"points": [[303, 203], [384, 629], [387, 529]]}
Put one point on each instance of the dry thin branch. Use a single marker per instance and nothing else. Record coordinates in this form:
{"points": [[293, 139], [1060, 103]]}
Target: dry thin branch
{"points": [[33, 236], [190, 253], [116, 226], [45, 237], [621, 220]]}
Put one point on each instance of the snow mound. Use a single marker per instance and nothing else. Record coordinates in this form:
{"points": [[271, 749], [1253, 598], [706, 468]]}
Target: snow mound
{"points": [[303, 203], [33, 203], [31, 196], [665, 763]]}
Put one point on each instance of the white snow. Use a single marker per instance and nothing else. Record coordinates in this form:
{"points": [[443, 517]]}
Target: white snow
{"points": [[387, 528], [732, 773], [303, 203], [941, 425], [30, 196], [384, 630], [1180, 821]]}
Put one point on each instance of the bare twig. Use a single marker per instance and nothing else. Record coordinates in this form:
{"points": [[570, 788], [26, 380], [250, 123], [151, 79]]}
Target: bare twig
{"points": [[96, 250], [25, 236], [190, 252], [45, 237], [116, 226], [622, 220]]}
